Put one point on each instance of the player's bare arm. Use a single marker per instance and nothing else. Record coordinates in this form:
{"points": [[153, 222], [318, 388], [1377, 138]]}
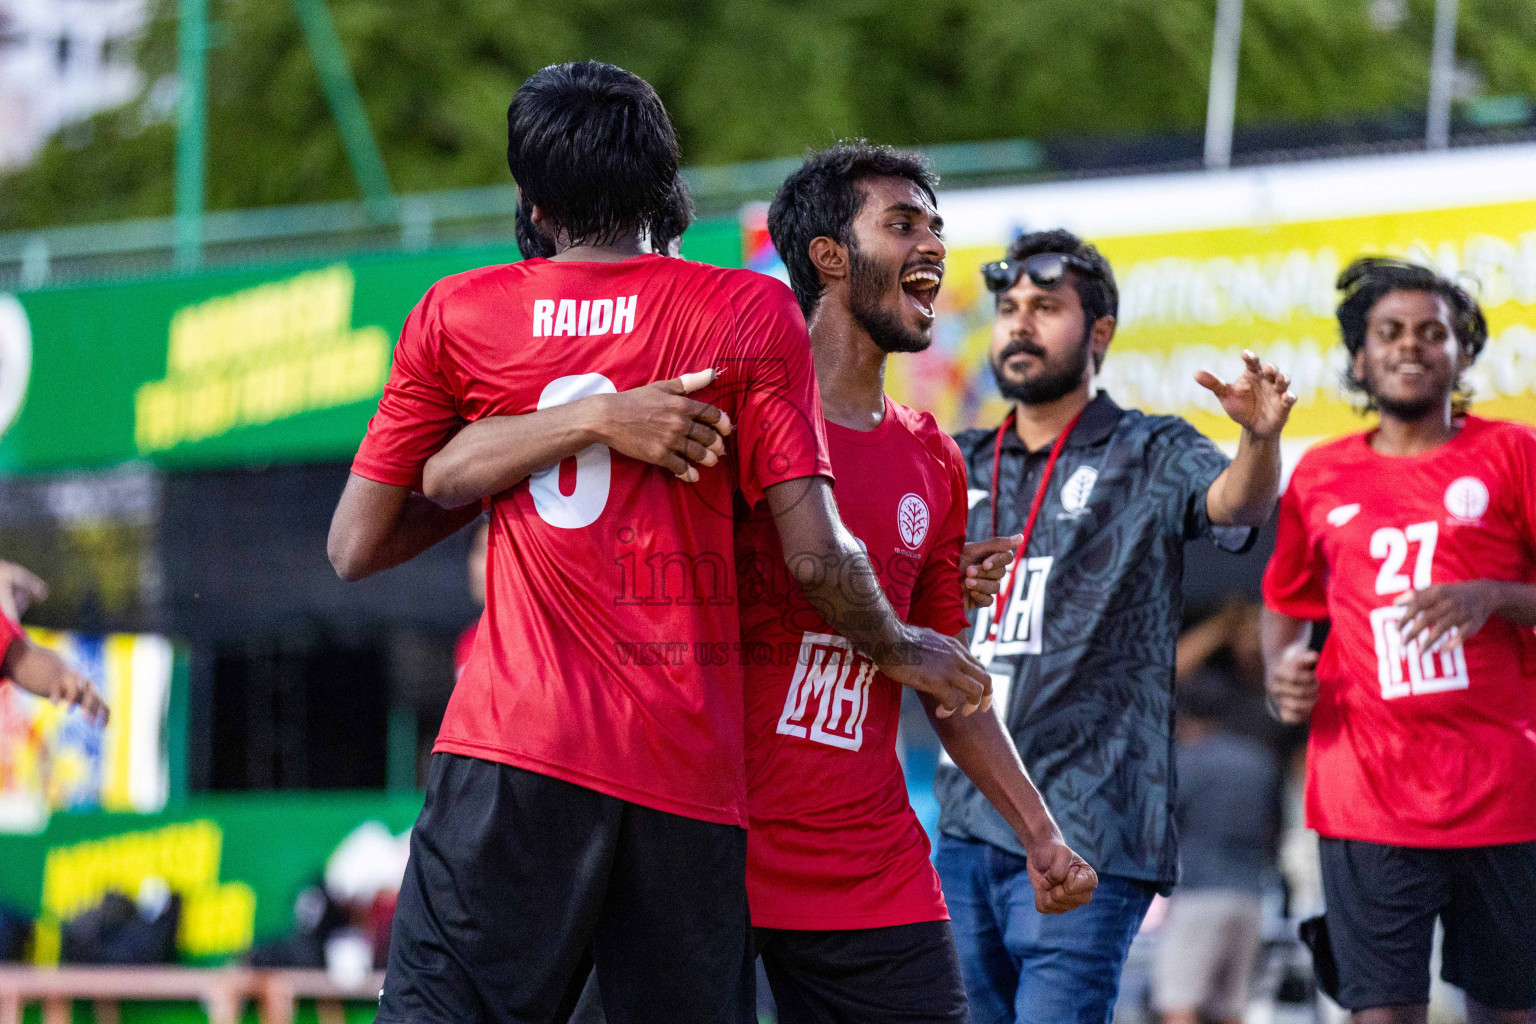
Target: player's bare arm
{"points": [[1290, 666], [19, 588], [982, 748], [378, 526], [38, 670], [983, 564], [837, 578], [1259, 402], [656, 423], [1446, 615]]}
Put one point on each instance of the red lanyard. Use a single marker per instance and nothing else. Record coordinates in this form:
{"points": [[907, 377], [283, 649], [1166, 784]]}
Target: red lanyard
{"points": [[1034, 508]]}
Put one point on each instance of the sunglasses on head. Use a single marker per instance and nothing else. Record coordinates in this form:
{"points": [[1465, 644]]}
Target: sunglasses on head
{"points": [[1046, 270]]}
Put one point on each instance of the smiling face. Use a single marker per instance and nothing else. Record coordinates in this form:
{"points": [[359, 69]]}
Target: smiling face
{"points": [[1042, 348], [1410, 360], [895, 264]]}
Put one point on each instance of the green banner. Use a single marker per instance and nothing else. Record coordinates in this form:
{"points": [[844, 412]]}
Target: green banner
{"points": [[223, 368], [237, 862]]}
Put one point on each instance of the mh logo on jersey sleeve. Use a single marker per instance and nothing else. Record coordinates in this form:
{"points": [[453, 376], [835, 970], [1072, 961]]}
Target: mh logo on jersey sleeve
{"points": [[912, 520], [829, 695]]}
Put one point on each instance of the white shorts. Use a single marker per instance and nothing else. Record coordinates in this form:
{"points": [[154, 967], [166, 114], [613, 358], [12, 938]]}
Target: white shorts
{"points": [[1206, 951]]}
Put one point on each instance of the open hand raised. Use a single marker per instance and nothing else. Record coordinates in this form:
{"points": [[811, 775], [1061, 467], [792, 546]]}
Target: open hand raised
{"points": [[1257, 401]]}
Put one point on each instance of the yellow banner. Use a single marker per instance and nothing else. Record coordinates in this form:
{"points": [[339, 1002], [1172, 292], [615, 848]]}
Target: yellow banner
{"points": [[1195, 299]]}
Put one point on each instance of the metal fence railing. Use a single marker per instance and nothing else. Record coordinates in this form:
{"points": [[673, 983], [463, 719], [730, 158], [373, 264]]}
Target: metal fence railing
{"points": [[33, 259], [416, 221]]}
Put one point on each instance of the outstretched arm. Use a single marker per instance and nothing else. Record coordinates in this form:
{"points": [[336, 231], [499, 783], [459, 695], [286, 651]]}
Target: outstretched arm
{"points": [[19, 587], [655, 423], [983, 750], [1245, 492], [38, 670], [378, 526], [1200, 642]]}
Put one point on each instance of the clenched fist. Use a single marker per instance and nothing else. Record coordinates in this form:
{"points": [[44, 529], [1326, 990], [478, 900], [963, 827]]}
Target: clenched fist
{"points": [[1063, 881], [1291, 685]]}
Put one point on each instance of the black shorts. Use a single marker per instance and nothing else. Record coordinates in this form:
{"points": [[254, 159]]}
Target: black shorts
{"points": [[1382, 904], [518, 883], [907, 973]]}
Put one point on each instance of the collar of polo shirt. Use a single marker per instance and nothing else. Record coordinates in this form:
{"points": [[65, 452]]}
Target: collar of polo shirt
{"points": [[1096, 424]]}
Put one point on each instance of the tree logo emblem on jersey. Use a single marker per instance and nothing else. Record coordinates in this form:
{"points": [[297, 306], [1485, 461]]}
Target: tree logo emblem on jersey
{"points": [[1466, 499], [912, 520], [1075, 492]]}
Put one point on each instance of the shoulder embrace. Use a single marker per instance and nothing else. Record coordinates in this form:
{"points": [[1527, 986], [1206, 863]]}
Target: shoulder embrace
{"points": [[745, 285], [763, 308]]}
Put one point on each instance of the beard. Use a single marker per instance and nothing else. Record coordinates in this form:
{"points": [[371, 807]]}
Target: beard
{"points": [[1403, 408], [531, 242], [868, 285], [1052, 382]]}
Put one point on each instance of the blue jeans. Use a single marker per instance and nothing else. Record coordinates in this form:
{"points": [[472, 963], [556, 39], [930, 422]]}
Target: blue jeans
{"points": [[1024, 967]]}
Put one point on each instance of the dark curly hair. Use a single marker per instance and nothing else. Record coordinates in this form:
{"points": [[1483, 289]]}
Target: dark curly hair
{"points": [[592, 146], [1368, 280], [822, 198], [1100, 296], [669, 225]]}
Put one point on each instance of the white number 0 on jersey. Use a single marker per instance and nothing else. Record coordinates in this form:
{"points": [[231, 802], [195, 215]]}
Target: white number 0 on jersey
{"points": [[594, 464]]}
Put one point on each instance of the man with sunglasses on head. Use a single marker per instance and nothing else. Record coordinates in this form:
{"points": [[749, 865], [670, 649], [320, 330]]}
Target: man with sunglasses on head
{"points": [[1080, 643]]}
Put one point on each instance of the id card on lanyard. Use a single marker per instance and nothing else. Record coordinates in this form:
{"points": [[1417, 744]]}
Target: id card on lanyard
{"points": [[988, 647]]}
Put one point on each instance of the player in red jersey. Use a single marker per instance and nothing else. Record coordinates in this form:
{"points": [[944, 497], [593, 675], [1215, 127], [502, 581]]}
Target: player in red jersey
{"points": [[474, 571], [1417, 542], [849, 916], [587, 789]]}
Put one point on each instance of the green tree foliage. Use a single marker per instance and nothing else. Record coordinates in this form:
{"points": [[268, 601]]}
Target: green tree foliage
{"points": [[744, 79]]}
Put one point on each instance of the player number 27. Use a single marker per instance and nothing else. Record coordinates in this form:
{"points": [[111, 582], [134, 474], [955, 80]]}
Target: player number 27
{"points": [[1391, 544], [594, 464]]}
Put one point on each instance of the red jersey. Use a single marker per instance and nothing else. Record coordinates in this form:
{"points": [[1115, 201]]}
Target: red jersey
{"points": [[606, 654], [834, 842], [10, 632], [463, 647], [1408, 748]]}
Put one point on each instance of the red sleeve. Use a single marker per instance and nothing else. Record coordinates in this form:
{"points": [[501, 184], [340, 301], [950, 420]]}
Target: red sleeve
{"points": [[1523, 469], [417, 412], [10, 632], [779, 431], [1295, 581], [938, 599]]}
